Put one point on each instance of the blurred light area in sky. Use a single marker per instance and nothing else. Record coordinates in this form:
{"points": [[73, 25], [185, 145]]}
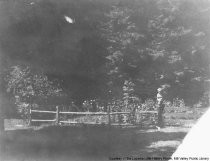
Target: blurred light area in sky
{"points": [[68, 19], [197, 141]]}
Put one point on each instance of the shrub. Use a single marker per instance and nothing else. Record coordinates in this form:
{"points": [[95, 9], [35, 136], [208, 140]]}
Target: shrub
{"points": [[177, 105]]}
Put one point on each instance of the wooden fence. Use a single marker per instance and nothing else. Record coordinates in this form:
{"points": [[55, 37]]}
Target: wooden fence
{"points": [[58, 113]]}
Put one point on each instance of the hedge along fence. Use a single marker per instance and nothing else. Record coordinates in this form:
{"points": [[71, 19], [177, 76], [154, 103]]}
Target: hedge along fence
{"points": [[58, 114]]}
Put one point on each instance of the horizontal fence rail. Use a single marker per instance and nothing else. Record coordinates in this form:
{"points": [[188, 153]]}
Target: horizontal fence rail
{"points": [[84, 113], [34, 120], [117, 113], [155, 112], [58, 113], [91, 113], [72, 122], [43, 111]]}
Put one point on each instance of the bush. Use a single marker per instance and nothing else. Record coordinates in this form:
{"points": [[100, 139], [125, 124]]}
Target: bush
{"points": [[178, 105], [148, 105]]}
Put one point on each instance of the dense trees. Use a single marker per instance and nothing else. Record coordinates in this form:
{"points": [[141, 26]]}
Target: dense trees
{"points": [[110, 45], [158, 46]]}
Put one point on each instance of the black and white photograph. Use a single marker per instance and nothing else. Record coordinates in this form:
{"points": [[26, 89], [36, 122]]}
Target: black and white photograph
{"points": [[104, 80]]}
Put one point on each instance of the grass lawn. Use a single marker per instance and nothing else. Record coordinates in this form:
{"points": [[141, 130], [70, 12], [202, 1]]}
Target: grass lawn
{"points": [[88, 143], [66, 143]]}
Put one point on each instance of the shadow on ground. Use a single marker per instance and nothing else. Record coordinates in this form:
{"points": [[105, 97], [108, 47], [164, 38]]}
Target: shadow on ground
{"points": [[86, 143]]}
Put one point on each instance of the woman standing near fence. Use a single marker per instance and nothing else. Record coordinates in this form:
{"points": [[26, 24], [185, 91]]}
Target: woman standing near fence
{"points": [[161, 95]]}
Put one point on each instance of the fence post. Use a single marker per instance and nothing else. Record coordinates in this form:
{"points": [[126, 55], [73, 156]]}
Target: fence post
{"points": [[2, 129], [134, 115], [29, 119], [109, 118], [57, 115]]}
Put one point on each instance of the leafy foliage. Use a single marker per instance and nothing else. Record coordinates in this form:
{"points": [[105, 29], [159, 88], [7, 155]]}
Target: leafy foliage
{"points": [[116, 52], [28, 88]]}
